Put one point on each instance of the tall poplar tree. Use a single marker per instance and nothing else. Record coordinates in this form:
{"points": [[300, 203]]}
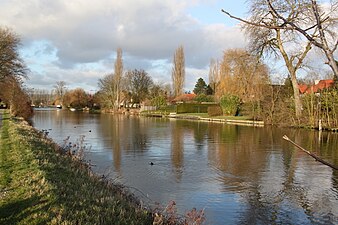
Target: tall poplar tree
{"points": [[214, 75], [118, 73], [178, 71]]}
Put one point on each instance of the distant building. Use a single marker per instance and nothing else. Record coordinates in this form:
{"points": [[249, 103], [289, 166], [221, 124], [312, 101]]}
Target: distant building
{"points": [[318, 86]]}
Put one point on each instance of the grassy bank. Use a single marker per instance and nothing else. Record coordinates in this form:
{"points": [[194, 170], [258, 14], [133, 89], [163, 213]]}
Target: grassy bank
{"points": [[38, 185]]}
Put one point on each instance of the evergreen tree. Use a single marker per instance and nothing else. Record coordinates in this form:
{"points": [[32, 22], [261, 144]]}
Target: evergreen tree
{"points": [[200, 87], [209, 90]]}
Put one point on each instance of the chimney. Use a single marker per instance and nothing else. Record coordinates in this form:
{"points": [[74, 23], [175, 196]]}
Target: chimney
{"points": [[317, 82]]}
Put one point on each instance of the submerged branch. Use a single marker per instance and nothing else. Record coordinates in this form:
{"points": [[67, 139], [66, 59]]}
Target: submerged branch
{"points": [[309, 153]]}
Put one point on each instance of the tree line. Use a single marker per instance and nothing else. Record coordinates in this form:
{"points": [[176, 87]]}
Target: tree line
{"points": [[276, 29], [12, 73], [288, 30]]}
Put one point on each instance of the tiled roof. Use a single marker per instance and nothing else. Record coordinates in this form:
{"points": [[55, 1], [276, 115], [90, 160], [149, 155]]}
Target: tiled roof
{"points": [[185, 97], [321, 85], [302, 88]]}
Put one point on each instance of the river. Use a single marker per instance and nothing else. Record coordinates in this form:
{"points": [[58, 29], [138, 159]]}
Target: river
{"points": [[237, 174]]}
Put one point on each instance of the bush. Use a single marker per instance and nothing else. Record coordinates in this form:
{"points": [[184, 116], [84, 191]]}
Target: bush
{"points": [[204, 98], [192, 108], [230, 104], [215, 110]]}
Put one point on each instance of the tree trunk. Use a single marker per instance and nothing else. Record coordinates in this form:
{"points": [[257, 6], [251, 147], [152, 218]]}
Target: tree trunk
{"points": [[296, 95], [292, 71], [334, 66]]}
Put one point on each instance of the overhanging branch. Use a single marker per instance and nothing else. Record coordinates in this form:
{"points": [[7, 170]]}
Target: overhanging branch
{"points": [[256, 24]]}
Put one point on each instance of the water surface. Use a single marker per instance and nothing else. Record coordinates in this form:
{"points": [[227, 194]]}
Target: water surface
{"points": [[237, 174]]}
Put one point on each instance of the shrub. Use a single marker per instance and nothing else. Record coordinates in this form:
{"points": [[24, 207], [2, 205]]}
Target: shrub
{"points": [[204, 98], [193, 108], [230, 104]]}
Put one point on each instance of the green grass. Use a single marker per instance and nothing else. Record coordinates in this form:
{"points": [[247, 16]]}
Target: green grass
{"points": [[205, 115], [234, 117], [202, 115], [5, 162], [40, 186]]}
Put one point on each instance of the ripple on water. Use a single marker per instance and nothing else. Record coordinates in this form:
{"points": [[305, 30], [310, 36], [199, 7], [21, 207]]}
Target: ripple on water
{"points": [[240, 175]]}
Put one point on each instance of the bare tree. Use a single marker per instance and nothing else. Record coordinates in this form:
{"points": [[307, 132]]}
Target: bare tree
{"points": [[138, 85], [118, 73], [318, 27], [214, 74], [178, 71], [60, 90], [76, 98], [319, 33], [110, 86], [159, 89], [269, 34], [107, 91], [12, 70], [10, 62]]}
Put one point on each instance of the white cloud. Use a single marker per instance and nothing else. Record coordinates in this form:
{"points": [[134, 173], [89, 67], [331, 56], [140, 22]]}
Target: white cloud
{"points": [[79, 32]]}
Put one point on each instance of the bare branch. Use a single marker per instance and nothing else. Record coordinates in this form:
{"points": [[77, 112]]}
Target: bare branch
{"points": [[294, 26], [302, 57], [335, 47], [255, 24], [315, 25]]}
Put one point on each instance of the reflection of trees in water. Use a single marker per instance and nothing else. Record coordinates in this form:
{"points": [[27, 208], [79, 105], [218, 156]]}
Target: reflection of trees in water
{"points": [[237, 150], [271, 176], [200, 133], [127, 134], [271, 181], [136, 133], [77, 117], [116, 144], [177, 147], [181, 131], [110, 128], [323, 144]]}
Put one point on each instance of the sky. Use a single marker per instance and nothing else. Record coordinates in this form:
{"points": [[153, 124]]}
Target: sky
{"points": [[76, 40]]}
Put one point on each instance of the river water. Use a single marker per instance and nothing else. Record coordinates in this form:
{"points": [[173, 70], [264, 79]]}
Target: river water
{"points": [[237, 174]]}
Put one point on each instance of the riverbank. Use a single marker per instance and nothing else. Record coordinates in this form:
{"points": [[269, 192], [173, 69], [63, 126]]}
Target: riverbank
{"points": [[234, 120], [40, 185], [237, 120]]}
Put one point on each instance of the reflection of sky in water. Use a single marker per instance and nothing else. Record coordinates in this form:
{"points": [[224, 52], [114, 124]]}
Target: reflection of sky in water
{"points": [[237, 174]]}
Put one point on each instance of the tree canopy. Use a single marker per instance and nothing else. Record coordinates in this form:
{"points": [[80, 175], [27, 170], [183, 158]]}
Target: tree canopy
{"points": [[11, 65], [138, 84], [12, 71], [200, 87]]}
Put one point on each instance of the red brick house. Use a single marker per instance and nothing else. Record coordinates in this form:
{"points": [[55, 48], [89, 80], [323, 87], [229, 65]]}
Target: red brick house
{"points": [[317, 87]]}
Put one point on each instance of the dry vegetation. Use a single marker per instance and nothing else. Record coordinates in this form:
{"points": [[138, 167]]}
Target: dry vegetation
{"points": [[40, 185]]}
